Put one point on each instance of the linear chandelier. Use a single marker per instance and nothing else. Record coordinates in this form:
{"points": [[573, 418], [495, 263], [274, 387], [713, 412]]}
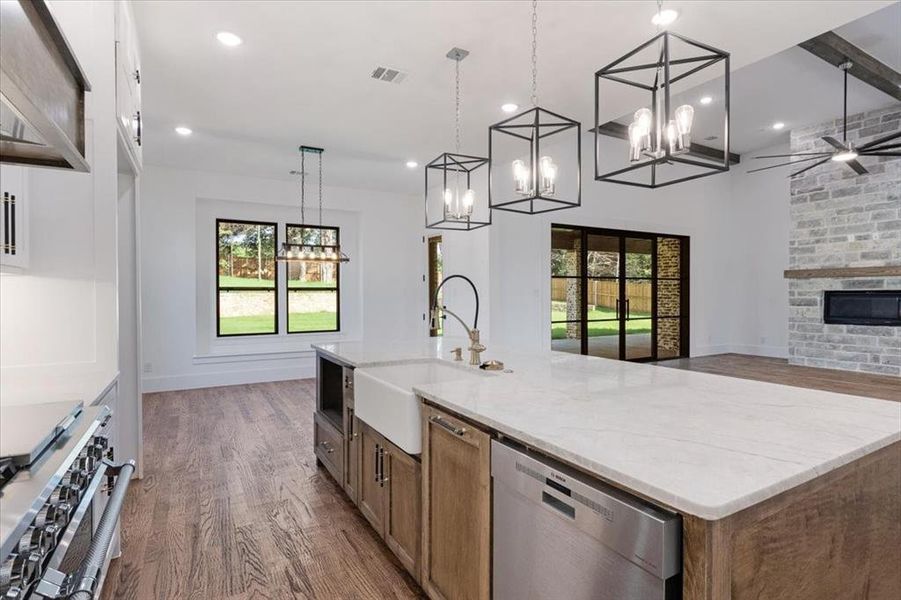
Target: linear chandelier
{"points": [[455, 182], [543, 150], [310, 250]]}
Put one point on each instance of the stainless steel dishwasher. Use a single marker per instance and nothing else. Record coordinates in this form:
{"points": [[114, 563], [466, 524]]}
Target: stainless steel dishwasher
{"points": [[560, 534]]}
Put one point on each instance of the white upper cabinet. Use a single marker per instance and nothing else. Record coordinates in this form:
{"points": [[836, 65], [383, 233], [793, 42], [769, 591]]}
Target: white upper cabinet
{"points": [[128, 82]]}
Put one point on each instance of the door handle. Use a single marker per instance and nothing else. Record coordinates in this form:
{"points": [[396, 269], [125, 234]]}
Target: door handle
{"points": [[627, 308], [382, 478], [375, 462], [461, 431], [139, 136], [617, 308]]}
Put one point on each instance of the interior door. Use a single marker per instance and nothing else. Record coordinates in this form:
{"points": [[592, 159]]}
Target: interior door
{"points": [[637, 298]]}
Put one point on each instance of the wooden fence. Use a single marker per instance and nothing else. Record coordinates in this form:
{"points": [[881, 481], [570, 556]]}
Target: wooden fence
{"points": [[604, 292]]}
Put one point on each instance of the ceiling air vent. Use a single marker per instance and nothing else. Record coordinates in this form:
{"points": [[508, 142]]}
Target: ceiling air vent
{"points": [[388, 74]]}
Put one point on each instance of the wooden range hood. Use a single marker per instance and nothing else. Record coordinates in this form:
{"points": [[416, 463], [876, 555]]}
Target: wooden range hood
{"points": [[42, 90]]}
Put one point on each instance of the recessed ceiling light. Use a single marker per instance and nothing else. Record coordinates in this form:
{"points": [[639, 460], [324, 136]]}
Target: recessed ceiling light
{"points": [[412, 164], [182, 130], [665, 17], [509, 107], [778, 125], [227, 38], [706, 100]]}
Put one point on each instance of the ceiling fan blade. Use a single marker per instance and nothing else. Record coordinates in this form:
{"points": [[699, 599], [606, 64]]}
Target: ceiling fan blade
{"points": [[822, 162], [791, 162], [881, 148], [834, 142], [795, 154], [879, 152], [875, 143], [857, 167]]}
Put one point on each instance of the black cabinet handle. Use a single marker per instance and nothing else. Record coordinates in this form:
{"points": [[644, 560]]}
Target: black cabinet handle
{"points": [[139, 136]]}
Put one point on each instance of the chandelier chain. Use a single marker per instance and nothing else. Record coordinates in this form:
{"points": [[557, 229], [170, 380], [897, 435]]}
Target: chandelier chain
{"points": [[320, 193], [303, 180], [534, 52], [659, 10], [457, 110]]}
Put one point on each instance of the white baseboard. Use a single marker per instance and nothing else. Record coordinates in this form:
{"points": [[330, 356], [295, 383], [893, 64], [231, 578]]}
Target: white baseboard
{"points": [[234, 377], [770, 351]]}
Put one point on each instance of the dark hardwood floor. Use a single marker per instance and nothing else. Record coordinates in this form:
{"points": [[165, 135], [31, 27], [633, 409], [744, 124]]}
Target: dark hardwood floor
{"points": [[777, 370], [232, 506]]}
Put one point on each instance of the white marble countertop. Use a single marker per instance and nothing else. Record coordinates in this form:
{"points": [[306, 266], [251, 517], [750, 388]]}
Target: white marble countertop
{"points": [[703, 444], [64, 383]]}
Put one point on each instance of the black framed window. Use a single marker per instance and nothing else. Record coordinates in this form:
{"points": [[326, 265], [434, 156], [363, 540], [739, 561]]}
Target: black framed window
{"points": [[314, 289], [246, 275]]}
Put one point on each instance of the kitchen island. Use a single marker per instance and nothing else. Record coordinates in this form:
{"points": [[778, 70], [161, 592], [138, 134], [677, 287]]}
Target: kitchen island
{"points": [[783, 492]]}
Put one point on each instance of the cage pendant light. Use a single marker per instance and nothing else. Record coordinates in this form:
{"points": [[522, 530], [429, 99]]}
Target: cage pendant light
{"points": [[536, 156], [456, 185], [658, 147], [312, 246]]}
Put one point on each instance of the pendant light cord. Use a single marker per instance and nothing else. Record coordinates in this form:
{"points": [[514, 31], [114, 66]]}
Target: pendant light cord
{"points": [[534, 52], [303, 180], [457, 110], [320, 196]]}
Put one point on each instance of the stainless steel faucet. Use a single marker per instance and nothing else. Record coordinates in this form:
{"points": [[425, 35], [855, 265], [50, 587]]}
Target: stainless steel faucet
{"points": [[475, 346]]}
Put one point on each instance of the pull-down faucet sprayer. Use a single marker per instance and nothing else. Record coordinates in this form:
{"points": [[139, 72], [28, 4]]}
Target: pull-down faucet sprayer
{"points": [[475, 347]]}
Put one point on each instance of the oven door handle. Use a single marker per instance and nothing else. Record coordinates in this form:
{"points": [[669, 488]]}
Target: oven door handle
{"points": [[84, 580]]}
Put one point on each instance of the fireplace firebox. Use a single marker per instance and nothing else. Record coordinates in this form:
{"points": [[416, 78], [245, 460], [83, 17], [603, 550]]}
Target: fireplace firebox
{"points": [[863, 307]]}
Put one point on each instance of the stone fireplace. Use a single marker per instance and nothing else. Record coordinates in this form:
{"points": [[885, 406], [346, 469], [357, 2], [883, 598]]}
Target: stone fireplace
{"points": [[845, 235]]}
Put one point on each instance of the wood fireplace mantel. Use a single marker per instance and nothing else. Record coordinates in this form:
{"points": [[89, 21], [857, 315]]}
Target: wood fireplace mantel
{"points": [[843, 272]]}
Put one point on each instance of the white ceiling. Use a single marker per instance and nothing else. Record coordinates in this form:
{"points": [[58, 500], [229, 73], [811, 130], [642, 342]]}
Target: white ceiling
{"points": [[302, 74]]}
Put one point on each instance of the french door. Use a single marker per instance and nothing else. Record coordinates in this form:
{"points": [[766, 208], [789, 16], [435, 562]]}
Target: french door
{"points": [[619, 294]]}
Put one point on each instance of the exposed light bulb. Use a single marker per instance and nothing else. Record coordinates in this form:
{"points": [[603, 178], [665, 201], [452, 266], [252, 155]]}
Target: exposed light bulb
{"points": [[448, 197], [672, 136], [684, 117], [635, 135], [521, 178], [469, 198], [547, 169], [643, 118]]}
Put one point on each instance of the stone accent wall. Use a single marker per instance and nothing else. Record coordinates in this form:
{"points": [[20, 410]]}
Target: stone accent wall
{"points": [[841, 219]]}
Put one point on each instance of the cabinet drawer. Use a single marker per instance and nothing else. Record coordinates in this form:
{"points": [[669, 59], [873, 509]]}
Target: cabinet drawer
{"points": [[329, 446]]}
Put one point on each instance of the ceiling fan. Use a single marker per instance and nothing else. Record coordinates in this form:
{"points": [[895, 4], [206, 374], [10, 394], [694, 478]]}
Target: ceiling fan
{"points": [[843, 151]]}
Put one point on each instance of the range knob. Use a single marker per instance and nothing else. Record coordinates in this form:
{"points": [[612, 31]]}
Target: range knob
{"points": [[53, 514], [19, 571], [75, 479], [66, 493], [36, 539], [85, 463]]}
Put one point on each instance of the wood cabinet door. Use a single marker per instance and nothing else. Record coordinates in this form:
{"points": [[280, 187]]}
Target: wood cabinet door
{"points": [[456, 500], [371, 492], [403, 509]]}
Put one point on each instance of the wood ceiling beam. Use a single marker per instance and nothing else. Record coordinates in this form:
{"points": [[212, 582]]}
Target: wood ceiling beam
{"points": [[618, 130], [835, 50]]}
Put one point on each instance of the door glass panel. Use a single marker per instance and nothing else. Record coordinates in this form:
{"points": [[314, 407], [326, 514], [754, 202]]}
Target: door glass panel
{"points": [[567, 337], [669, 338], [603, 338], [669, 298], [603, 299], [603, 256], [638, 339], [566, 314], [638, 298], [638, 257]]}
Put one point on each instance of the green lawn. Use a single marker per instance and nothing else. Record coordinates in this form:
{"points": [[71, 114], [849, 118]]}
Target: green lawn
{"points": [[318, 321], [558, 330], [249, 282]]}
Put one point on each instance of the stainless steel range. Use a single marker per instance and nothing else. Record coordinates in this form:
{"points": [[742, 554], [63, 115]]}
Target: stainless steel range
{"points": [[60, 499]]}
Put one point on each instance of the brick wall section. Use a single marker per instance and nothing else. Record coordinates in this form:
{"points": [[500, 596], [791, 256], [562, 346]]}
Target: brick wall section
{"points": [[668, 297], [840, 219]]}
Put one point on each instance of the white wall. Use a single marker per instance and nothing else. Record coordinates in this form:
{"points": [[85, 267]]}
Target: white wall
{"points": [[382, 293], [760, 213], [60, 313]]}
